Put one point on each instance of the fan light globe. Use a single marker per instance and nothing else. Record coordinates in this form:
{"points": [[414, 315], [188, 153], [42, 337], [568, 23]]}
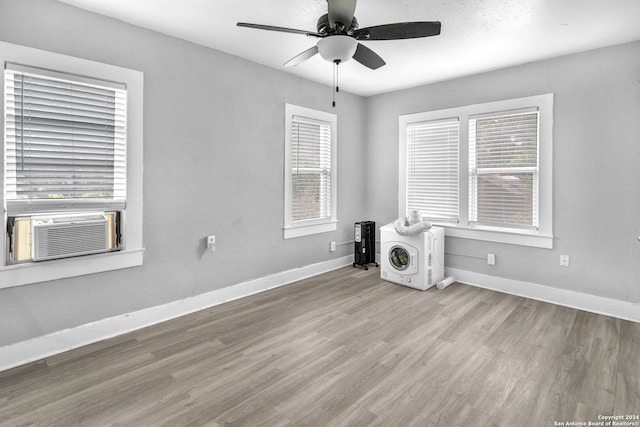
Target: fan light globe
{"points": [[337, 48]]}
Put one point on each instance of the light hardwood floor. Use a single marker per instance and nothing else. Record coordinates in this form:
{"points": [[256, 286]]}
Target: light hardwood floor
{"points": [[343, 349]]}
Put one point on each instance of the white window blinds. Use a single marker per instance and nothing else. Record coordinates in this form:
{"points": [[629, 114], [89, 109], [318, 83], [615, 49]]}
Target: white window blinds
{"points": [[503, 162], [310, 169], [65, 138], [432, 169]]}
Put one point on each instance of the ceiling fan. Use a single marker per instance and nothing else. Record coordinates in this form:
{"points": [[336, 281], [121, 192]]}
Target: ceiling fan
{"points": [[339, 36]]}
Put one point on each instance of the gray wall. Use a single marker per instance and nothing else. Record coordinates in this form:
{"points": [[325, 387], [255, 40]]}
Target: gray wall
{"points": [[213, 159], [213, 164], [596, 155]]}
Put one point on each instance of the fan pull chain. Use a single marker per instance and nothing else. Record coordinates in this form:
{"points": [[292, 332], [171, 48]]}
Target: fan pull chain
{"points": [[335, 80]]}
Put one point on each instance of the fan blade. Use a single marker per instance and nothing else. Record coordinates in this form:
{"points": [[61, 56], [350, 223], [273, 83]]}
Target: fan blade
{"points": [[302, 57], [280, 29], [341, 11], [401, 30], [367, 57]]}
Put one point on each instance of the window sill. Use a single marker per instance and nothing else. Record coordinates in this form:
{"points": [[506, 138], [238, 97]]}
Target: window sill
{"points": [[23, 274], [521, 238], [307, 230]]}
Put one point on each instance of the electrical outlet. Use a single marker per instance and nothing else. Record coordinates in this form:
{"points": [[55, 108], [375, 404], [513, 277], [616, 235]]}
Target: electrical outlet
{"points": [[491, 259], [332, 247], [564, 260], [211, 243]]}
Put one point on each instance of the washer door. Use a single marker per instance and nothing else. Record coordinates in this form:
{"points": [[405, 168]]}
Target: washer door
{"points": [[403, 258], [399, 258]]}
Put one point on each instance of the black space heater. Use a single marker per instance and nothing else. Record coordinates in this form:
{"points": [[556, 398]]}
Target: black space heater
{"points": [[365, 244]]}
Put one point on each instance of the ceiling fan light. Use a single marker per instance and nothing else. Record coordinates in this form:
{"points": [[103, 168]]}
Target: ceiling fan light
{"points": [[337, 48]]}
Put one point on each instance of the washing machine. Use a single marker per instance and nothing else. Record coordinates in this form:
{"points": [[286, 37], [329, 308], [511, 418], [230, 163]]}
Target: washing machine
{"points": [[415, 261]]}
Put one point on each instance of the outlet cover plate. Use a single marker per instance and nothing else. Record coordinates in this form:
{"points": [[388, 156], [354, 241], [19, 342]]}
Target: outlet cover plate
{"points": [[491, 259]]}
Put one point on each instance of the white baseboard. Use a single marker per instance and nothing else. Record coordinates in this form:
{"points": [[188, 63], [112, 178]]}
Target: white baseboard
{"points": [[47, 345], [595, 304]]}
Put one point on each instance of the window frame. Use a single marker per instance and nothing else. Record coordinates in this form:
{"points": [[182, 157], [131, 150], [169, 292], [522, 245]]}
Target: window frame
{"points": [[132, 253], [291, 228], [543, 236], [476, 172]]}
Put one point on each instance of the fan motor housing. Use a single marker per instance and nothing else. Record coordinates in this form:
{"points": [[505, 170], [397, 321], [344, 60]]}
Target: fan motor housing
{"points": [[324, 27]]}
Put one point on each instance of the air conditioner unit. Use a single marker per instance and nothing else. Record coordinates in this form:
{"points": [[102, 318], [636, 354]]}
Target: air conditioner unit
{"points": [[70, 235]]}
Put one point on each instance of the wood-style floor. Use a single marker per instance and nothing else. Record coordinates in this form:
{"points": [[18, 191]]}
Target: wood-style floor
{"points": [[343, 349]]}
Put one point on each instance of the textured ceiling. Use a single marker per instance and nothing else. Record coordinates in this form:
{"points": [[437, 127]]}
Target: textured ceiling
{"points": [[477, 35]]}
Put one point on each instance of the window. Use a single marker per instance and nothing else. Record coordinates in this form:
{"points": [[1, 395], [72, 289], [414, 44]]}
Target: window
{"points": [[310, 173], [503, 169], [482, 171], [65, 142], [72, 166], [432, 169]]}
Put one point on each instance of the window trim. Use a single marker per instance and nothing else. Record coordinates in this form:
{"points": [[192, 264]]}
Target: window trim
{"points": [[293, 229], [543, 237], [132, 254]]}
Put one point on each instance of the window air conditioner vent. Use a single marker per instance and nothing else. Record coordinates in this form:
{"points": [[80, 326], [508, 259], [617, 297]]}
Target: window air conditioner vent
{"points": [[67, 236]]}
